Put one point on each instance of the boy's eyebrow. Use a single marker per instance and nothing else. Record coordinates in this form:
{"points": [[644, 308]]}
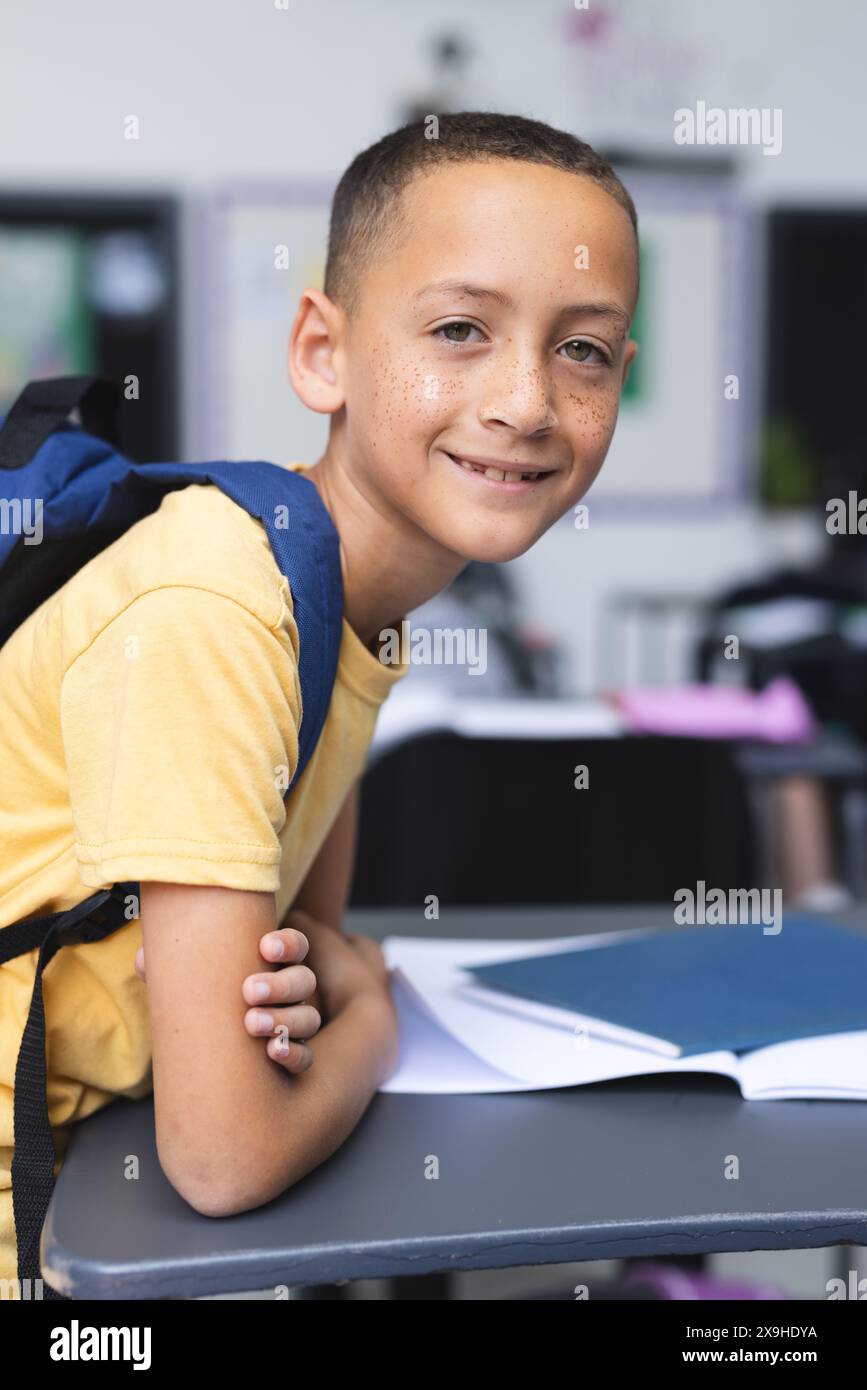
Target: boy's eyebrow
{"points": [[461, 287]]}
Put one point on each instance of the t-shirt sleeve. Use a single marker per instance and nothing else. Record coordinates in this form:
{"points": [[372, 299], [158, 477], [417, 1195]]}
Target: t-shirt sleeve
{"points": [[180, 733]]}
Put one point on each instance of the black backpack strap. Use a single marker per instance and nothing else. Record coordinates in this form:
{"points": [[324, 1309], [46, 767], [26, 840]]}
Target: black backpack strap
{"points": [[34, 1157], [43, 405]]}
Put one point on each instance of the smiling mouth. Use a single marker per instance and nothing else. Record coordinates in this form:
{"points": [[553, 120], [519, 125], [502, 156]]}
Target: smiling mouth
{"points": [[506, 474]]}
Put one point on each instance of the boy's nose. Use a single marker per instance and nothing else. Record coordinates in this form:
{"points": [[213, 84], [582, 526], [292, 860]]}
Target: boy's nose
{"points": [[520, 397]]}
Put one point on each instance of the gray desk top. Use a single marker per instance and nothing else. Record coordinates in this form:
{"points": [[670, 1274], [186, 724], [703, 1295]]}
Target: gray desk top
{"points": [[610, 1170]]}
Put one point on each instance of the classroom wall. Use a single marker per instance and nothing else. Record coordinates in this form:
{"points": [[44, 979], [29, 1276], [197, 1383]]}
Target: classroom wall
{"points": [[228, 89]]}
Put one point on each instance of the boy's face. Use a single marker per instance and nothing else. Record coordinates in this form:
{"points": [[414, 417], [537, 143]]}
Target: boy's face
{"points": [[479, 339]]}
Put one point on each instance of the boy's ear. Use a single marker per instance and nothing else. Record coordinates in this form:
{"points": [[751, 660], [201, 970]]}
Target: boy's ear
{"points": [[315, 355], [629, 354]]}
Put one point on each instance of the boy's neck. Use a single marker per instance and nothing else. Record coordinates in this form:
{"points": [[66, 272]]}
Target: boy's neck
{"points": [[389, 566]]}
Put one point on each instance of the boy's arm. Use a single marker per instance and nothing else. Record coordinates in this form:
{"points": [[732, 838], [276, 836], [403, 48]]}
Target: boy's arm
{"points": [[325, 891], [232, 1131]]}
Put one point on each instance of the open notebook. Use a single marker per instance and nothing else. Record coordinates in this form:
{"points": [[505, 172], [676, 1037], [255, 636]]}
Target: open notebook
{"points": [[457, 1037], [682, 991]]}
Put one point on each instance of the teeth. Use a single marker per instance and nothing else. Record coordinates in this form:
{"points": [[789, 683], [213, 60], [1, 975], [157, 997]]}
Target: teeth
{"points": [[497, 475]]}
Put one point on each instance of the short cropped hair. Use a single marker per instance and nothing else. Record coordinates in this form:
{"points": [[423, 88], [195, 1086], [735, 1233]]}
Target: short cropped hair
{"points": [[365, 211]]}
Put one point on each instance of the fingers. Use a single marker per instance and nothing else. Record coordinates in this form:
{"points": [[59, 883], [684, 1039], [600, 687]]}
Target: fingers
{"points": [[288, 1030], [293, 1056], [286, 945], [285, 1028], [290, 986], [302, 1022]]}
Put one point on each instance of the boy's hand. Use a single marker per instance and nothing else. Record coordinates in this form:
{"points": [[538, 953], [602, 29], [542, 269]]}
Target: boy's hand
{"points": [[346, 964], [290, 1012]]}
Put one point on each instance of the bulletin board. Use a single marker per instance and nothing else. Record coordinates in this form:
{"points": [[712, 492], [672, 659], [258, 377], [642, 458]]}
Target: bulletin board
{"points": [[45, 325]]}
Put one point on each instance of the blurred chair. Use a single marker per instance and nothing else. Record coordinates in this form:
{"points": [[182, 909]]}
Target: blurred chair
{"points": [[521, 658], [644, 634], [795, 623], [483, 821]]}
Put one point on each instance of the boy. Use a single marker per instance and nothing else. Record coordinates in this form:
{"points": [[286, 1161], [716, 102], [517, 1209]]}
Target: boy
{"points": [[470, 346]]}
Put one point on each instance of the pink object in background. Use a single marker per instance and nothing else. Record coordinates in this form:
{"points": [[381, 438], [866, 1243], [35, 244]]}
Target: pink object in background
{"points": [[777, 714], [682, 1284]]}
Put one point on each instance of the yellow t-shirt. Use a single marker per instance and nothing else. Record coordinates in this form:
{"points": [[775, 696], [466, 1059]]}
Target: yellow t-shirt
{"points": [[146, 710]]}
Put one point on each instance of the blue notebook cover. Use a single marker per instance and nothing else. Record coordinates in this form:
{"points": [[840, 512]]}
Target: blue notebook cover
{"points": [[707, 988]]}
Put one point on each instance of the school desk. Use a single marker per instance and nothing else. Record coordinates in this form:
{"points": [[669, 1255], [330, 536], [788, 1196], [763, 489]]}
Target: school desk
{"points": [[626, 1168]]}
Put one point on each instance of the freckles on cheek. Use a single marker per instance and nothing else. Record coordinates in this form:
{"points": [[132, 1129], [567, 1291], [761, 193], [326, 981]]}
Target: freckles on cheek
{"points": [[413, 397], [594, 415]]}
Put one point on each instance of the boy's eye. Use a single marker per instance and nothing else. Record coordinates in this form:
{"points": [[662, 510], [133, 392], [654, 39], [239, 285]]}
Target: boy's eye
{"points": [[583, 350], [461, 326], [458, 331]]}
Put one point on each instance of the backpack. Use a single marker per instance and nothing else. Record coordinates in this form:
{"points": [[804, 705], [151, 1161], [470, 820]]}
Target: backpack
{"points": [[88, 495]]}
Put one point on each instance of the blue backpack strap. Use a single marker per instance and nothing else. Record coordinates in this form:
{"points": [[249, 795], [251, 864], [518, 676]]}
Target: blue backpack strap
{"points": [[44, 405], [307, 549]]}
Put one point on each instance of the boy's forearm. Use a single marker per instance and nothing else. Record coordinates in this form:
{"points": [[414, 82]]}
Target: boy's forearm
{"points": [[353, 1055]]}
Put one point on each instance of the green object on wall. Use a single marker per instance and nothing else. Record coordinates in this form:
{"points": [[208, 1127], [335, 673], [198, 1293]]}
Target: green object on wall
{"points": [[636, 387], [788, 468]]}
